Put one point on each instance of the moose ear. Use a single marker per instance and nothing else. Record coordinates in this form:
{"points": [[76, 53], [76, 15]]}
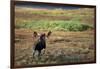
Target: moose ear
{"points": [[35, 34], [49, 33]]}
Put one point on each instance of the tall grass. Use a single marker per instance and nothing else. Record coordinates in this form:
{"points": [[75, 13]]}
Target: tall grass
{"points": [[54, 25], [62, 12]]}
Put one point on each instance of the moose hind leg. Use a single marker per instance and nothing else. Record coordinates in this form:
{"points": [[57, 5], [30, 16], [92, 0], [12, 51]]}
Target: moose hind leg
{"points": [[43, 51]]}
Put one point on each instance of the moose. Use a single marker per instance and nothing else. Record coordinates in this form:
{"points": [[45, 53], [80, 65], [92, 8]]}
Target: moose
{"points": [[40, 42]]}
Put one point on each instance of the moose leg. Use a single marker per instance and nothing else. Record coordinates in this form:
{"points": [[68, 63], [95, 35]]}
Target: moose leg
{"points": [[34, 52], [43, 51], [39, 52]]}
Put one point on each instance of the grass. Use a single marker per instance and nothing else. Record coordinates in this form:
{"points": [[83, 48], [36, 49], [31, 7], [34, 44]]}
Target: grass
{"points": [[82, 15], [56, 12], [54, 25], [64, 20]]}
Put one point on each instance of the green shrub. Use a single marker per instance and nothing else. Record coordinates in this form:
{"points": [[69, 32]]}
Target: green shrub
{"points": [[55, 25]]}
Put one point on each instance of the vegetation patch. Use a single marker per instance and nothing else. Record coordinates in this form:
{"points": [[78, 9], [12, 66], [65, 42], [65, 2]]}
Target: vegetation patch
{"points": [[55, 25]]}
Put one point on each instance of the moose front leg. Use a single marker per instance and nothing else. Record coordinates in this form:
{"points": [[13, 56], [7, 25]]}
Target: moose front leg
{"points": [[34, 52], [39, 52]]}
